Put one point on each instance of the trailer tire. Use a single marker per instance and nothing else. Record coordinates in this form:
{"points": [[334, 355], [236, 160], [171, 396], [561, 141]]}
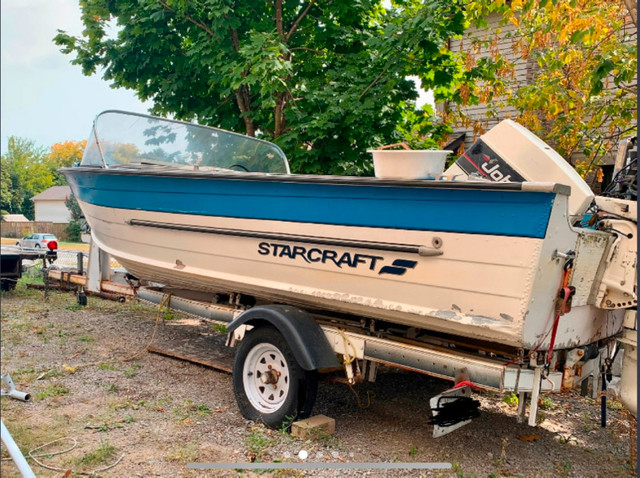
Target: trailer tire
{"points": [[268, 383]]}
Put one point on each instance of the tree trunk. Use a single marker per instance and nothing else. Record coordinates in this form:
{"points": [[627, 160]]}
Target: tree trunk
{"points": [[243, 98], [632, 6], [244, 105], [281, 102]]}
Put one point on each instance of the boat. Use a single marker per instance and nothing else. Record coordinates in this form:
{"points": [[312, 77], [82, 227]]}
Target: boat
{"points": [[205, 209], [507, 257]]}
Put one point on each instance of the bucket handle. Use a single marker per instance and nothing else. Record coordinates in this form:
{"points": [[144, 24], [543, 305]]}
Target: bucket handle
{"points": [[388, 146]]}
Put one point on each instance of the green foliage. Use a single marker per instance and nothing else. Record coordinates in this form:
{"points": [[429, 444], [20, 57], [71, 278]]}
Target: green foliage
{"points": [[258, 443], [131, 371], [28, 170], [72, 231], [511, 399], [52, 390], [74, 208], [24, 174], [324, 81], [103, 452], [546, 402], [78, 223]]}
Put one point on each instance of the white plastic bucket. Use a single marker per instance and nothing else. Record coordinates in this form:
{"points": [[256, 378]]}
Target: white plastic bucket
{"points": [[409, 164]]}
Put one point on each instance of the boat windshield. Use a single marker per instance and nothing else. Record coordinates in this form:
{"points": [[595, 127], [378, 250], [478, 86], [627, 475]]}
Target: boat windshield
{"points": [[122, 139]]}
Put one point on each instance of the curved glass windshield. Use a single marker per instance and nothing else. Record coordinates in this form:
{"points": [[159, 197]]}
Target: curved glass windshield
{"points": [[122, 139]]}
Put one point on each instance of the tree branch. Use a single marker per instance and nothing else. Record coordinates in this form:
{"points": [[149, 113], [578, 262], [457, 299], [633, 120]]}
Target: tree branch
{"points": [[319, 52], [279, 26], [297, 23], [188, 17], [373, 83], [235, 41]]}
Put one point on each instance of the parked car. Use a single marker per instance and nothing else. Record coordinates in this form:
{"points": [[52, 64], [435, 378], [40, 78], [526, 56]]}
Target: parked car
{"points": [[38, 241]]}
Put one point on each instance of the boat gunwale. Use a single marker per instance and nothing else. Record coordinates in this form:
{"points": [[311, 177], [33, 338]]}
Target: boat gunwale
{"points": [[546, 187]]}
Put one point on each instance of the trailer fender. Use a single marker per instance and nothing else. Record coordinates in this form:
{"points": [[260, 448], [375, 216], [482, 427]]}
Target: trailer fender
{"points": [[303, 334]]}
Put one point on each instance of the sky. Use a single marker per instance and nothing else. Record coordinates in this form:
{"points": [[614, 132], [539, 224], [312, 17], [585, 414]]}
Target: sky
{"points": [[42, 96]]}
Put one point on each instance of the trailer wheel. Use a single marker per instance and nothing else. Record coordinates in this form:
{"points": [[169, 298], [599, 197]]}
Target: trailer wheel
{"points": [[268, 383]]}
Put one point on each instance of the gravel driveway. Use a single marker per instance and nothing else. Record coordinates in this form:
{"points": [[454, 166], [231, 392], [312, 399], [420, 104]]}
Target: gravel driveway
{"points": [[150, 415]]}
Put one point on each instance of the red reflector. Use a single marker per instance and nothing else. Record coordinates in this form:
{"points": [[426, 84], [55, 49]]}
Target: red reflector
{"points": [[52, 245]]}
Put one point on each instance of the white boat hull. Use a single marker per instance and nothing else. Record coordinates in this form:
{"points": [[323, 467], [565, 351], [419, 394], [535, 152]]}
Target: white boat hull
{"points": [[491, 288]]}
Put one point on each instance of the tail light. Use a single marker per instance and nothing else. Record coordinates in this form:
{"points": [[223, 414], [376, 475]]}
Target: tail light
{"points": [[52, 245]]}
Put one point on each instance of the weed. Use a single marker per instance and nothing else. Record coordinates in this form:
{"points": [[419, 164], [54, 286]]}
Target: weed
{"points": [[52, 390], [219, 328], [185, 453], [126, 404], [101, 454], [142, 308], [168, 314], [285, 428], [546, 403], [258, 443], [30, 276], [103, 427], [614, 404], [587, 422], [413, 451], [75, 307], [184, 412], [457, 469], [128, 419], [85, 338], [52, 372], [131, 372], [111, 388], [23, 371], [566, 468], [107, 366], [511, 399], [328, 440]]}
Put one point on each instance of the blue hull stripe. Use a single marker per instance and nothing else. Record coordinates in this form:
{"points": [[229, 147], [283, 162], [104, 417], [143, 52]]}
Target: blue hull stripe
{"points": [[472, 211]]}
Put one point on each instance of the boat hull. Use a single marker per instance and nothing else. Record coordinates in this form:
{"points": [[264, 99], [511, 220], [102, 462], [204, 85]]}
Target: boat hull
{"points": [[460, 260]]}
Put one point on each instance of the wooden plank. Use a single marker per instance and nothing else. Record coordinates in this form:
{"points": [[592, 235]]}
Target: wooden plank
{"points": [[191, 341], [217, 365]]}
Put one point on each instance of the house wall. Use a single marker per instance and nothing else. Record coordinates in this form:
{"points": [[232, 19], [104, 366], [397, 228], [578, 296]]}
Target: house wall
{"points": [[52, 211], [504, 45]]}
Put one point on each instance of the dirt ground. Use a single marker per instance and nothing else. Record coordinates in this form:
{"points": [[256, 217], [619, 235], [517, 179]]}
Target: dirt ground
{"points": [[151, 415]]}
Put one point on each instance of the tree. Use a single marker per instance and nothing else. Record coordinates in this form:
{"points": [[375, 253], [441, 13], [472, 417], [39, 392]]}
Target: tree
{"points": [[77, 224], [6, 191], [582, 96], [325, 81], [25, 173], [64, 155]]}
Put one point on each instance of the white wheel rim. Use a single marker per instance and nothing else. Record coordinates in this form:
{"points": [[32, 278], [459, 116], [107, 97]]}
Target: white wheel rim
{"points": [[264, 365]]}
